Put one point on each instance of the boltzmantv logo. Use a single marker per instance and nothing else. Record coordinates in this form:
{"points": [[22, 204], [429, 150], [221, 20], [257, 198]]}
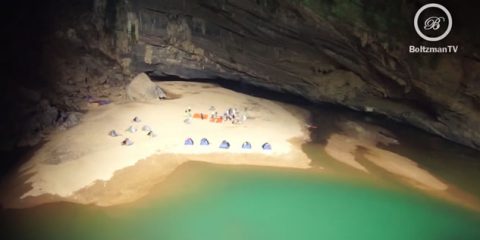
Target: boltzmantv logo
{"points": [[433, 22], [433, 25]]}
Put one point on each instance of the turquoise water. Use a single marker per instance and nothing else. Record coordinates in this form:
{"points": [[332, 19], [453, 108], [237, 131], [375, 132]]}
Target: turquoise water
{"points": [[205, 201], [231, 203]]}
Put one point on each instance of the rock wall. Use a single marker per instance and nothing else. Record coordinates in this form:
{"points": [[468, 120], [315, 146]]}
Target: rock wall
{"points": [[307, 50], [350, 53]]}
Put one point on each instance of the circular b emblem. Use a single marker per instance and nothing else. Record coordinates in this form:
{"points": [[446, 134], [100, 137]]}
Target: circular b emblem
{"points": [[433, 22]]}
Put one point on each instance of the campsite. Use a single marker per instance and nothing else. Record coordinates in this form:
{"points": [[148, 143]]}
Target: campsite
{"points": [[248, 131]]}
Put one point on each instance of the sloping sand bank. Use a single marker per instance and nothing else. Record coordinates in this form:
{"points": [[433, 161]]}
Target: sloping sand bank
{"points": [[358, 141], [73, 160]]}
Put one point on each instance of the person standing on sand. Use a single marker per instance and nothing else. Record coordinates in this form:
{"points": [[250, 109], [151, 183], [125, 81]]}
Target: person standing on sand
{"points": [[188, 116], [225, 116], [188, 112]]}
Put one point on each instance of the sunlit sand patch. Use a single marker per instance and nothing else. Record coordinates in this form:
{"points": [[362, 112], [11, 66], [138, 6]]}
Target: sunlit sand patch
{"points": [[363, 140], [345, 146], [404, 167], [343, 149]]}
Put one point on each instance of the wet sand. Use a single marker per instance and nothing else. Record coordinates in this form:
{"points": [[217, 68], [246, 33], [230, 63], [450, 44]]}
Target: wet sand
{"points": [[357, 141]]}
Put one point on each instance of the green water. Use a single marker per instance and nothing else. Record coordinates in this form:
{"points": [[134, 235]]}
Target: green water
{"points": [[232, 203], [205, 201]]}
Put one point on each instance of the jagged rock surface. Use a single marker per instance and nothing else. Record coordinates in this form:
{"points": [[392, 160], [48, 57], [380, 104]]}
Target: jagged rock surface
{"points": [[141, 88], [287, 47], [282, 45]]}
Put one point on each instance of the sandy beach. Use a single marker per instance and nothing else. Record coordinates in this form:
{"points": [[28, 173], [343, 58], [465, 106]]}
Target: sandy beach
{"points": [[74, 160], [86, 165]]}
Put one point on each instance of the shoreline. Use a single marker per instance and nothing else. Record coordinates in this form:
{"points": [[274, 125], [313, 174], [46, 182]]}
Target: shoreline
{"points": [[86, 166]]}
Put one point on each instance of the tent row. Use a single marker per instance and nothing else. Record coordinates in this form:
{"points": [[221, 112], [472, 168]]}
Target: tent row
{"points": [[225, 144], [133, 129]]}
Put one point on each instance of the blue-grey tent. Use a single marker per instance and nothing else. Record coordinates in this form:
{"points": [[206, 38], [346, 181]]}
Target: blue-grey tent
{"points": [[246, 145], [152, 134], [224, 145], [131, 129], [204, 142], [267, 146], [127, 142], [146, 128], [189, 141], [136, 119], [113, 133]]}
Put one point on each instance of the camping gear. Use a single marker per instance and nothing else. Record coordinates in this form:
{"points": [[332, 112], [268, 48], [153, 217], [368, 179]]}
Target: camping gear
{"points": [[113, 133], [189, 142], [127, 142], [98, 101], [101, 102], [246, 145], [131, 129], [216, 120], [224, 145], [200, 116], [146, 128], [267, 146], [244, 118], [136, 119], [204, 142]]}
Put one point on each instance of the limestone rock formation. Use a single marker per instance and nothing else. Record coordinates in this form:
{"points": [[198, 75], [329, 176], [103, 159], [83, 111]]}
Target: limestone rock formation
{"points": [[327, 51], [350, 53], [141, 88]]}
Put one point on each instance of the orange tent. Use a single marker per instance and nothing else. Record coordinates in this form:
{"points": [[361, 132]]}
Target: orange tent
{"points": [[200, 116]]}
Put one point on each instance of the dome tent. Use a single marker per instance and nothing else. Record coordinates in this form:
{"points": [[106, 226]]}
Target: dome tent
{"points": [[127, 142], [247, 145], [189, 141], [267, 146], [224, 145], [132, 129], [113, 133], [151, 134], [136, 119], [204, 142]]}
